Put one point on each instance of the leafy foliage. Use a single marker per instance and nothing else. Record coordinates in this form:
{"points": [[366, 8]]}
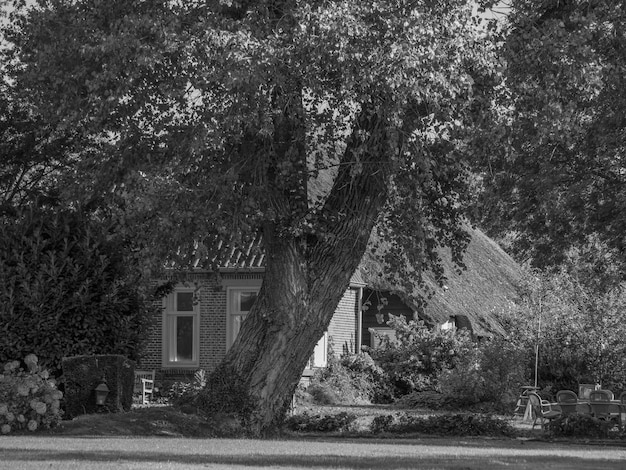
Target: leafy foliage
{"points": [[226, 393], [553, 154], [305, 422], [445, 425], [168, 98], [412, 362], [351, 379], [491, 372], [67, 287], [185, 393], [427, 399], [579, 425], [579, 331]]}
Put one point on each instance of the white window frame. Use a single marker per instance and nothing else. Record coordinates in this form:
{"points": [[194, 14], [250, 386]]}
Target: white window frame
{"points": [[320, 353], [233, 311], [169, 339], [389, 332]]}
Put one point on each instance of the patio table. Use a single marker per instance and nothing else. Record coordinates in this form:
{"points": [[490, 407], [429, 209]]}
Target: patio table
{"points": [[582, 407], [615, 409]]}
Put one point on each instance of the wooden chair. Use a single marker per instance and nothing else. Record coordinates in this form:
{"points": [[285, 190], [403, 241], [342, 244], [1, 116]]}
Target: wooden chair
{"points": [[541, 409], [568, 402], [144, 384]]}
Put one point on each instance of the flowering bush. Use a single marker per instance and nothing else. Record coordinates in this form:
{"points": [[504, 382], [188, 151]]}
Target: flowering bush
{"points": [[413, 360], [29, 398]]}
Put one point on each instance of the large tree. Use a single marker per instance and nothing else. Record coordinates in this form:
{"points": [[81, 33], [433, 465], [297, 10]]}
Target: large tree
{"points": [[554, 152], [202, 124]]}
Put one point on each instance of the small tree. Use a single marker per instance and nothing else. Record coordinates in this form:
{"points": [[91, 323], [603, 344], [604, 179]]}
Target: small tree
{"points": [[492, 372], [578, 330]]}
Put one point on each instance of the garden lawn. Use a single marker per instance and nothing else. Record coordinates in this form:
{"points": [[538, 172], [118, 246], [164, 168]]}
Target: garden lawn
{"points": [[59, 452]]}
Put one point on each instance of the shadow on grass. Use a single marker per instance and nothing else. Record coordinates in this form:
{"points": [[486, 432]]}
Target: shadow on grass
{"points": [[495, 460]]}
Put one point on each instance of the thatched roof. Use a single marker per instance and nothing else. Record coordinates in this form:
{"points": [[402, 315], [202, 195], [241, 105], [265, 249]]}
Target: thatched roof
{"points": [[487, 285]]}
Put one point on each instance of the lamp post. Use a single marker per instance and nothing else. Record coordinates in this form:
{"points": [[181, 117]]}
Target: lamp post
{"points": [[537, 345], [101, 393]]}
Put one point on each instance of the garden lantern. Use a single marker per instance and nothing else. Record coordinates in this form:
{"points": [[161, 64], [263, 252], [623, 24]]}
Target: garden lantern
{"points": [[101, 392]]}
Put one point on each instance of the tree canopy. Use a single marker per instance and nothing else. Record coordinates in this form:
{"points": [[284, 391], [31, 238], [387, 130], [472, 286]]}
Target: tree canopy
{"points": [[554, 151], [222, 116]]}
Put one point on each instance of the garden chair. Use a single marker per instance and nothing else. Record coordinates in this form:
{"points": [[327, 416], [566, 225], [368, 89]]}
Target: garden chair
{"points": [[144, 384], [601, 409], [568, 402], [541, 409], [601, 395]]}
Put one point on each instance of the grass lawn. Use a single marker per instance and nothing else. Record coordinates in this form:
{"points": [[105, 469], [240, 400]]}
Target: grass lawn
{"points": [[62, 452], [162, 438]]}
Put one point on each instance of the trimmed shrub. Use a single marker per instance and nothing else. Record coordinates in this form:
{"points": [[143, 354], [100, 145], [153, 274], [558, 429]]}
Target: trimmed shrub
{"points": [[82, 374], [340, 422], [579, 425], [445, 425], [68, 286], [29, 399], [381, 424]]}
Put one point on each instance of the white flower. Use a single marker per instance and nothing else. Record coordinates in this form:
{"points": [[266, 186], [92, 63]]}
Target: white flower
{"points": [[11, 366], [23, 390], [21, 419], [3, 409], [40, 408], [5, 429], [31, 361], [32, 425], [10, 417]]}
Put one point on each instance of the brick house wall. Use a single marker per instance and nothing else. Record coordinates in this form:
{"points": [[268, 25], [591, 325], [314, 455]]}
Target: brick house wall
{"points": [[212, 303], [212, 347]]}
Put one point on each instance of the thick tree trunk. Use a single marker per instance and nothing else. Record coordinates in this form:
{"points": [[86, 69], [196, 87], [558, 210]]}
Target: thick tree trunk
{"points": [[292, 312], [306, 276], [294, 308]]}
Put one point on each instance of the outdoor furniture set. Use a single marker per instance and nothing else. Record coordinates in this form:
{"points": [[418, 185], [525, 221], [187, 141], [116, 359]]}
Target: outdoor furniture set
{"points": [[601, 404]]}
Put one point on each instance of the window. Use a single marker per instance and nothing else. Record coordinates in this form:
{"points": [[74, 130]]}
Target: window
{"points": [[319, 358], [389, 332], [240, 301], [181, 329]]}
